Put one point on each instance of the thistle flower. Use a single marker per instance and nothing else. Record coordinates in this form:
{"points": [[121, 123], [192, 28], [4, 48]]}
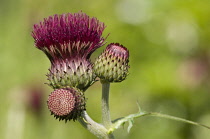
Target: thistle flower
{"points": [[68, 40], [66, 104], [112, 64]]}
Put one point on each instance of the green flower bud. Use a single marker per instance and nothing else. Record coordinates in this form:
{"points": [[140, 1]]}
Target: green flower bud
{"points": [[112, 64]]}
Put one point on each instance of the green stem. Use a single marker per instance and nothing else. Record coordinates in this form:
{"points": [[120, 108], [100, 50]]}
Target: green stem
{"points": [[106, 120], [95, 128]]}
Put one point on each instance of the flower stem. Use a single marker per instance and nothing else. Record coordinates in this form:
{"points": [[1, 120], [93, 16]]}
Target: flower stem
{"points": [[95, 128], [106, 120]]}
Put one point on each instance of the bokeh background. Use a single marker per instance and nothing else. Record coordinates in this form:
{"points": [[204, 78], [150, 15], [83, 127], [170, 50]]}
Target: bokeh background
{"points": [[169, 43]]}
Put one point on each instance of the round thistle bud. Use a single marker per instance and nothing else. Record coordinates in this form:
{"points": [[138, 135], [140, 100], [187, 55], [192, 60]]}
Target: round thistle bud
{"points": [[66, 104], [68, 40], [112, 64]]}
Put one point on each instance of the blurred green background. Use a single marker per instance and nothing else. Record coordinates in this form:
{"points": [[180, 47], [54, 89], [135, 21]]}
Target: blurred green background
{"points": [[169, 59]]}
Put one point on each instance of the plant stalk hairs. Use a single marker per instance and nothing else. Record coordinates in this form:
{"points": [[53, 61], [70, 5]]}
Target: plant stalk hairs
{"points": [[68, 40]]}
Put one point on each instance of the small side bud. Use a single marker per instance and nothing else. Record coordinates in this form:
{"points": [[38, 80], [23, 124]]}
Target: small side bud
{"points": [[66, 104], [112, 64]]}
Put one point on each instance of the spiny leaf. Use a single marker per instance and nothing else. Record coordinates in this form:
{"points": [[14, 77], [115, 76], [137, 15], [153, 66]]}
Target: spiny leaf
{"points": [[130, 122]]}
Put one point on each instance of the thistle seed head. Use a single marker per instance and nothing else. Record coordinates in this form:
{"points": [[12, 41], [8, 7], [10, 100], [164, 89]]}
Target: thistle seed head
{"points": [[66, 104], [112, 64]]}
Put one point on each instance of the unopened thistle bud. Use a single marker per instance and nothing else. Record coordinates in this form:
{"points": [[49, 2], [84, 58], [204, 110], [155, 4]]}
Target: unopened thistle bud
{"points": [[68, 40], [66, 104], [112, 64]]}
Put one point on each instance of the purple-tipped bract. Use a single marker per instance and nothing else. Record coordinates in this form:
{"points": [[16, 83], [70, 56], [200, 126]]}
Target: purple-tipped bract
{"points": [[118, 50]]}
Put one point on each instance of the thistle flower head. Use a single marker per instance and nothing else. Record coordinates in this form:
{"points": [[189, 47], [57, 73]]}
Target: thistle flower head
{"points": [[68, 40], [112, 64], [68, 35], [66, 104]]}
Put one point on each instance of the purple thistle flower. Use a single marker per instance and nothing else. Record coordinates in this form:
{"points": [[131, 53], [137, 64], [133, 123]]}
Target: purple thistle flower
{"points": [[69, 34], [68, 40], [112, 64]]}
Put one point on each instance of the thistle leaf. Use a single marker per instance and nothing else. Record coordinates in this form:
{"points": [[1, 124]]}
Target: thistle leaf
{"points": [[121, 121], [130, 122], [130, 119]]}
